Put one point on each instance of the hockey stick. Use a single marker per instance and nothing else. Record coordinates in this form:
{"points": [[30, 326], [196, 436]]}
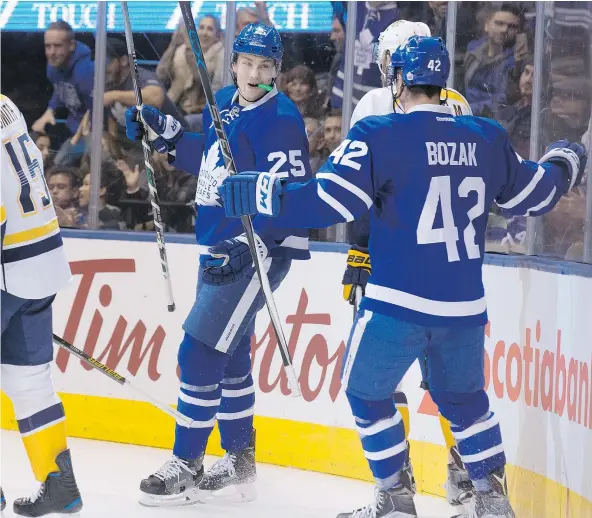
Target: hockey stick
{"points": [[154, 201], [96, 364], [357, 299], [246, 221]]}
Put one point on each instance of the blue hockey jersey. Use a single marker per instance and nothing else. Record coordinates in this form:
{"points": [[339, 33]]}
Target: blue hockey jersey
{"points": [[428, 179], [268, 135]]}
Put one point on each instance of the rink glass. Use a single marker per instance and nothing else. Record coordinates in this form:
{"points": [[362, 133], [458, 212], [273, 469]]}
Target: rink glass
{"points": [[554, 54]]}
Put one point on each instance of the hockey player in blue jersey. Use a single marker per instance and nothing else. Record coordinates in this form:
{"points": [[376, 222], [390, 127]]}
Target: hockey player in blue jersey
{"points": [[266, 132], [425, 296]]}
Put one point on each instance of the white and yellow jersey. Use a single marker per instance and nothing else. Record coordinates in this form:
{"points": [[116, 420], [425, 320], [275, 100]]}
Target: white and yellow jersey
{"points": [[34, 265], [380, 102]]}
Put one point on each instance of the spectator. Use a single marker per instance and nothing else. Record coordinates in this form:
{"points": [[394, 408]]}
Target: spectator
{"points": [[70, 69], [245, 16], [72, 151], [564, 227], [301, 87], [137, 215], [62, 183], [43, 143], [372, 18], [569, 117], [491, 69], [338, 39], [569, 110], [436, 20], [178, 188], [178, 66], [314, 132], [119, 94], [517, 117], [332, 131], [173, 184], [109, 216]]}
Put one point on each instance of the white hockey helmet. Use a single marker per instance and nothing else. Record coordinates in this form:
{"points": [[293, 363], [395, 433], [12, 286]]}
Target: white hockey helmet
{"points": [[394, 36]]}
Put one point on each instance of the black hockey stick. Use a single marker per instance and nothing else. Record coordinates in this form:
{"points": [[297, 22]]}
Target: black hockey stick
{"points": [[246, 221], [96, 364], [154, 201]]}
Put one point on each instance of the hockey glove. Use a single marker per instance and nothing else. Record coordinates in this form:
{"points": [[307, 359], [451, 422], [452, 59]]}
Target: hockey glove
{"points": [[570, 154], [163, 130], [231, 260], [356, 273], [251, 193]]}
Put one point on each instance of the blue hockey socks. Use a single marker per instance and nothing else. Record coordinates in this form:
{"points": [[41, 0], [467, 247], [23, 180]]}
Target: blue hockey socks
{"points": [[382, 434]]}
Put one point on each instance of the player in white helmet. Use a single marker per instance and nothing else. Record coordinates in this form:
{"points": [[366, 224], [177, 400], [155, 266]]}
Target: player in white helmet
{"points": [[380, 101]]}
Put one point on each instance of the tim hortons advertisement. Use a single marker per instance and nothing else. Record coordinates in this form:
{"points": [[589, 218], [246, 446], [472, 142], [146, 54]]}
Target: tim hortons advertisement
{"points": [[538, 363]]}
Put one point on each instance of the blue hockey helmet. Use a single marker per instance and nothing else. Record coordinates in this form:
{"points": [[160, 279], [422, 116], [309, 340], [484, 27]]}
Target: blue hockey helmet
{"points": [[261, 40], [423, 61]]}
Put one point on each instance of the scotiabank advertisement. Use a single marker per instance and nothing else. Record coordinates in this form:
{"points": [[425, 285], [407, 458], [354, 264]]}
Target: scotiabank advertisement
{"points": [[538, 362]]}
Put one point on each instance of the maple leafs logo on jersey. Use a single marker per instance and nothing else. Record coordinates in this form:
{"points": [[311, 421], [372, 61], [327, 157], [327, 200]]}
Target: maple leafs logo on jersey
{"points": [[211, 175]]}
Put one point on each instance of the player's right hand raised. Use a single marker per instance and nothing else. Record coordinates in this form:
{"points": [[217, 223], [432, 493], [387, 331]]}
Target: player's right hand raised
{"points": [[163, 130], [570, 154], [357, 272]]}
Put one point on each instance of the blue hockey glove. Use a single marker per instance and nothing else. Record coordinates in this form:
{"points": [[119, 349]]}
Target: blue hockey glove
{"points": [[570, 154], [231, 260], [163, 130], [251, 193]]}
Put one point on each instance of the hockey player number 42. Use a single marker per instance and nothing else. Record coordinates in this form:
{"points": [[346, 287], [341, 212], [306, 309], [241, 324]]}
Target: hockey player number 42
{"points": [[440, 193]]}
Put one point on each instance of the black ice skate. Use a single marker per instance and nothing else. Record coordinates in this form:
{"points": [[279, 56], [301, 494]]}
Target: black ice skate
{"points": [[58, 494], [494, 503], [2, 500], [459, 488], [392, 503], [175, 483], [234, 469], [407, 478]]}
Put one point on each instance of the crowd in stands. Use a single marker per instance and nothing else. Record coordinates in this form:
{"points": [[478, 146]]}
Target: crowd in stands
{"points": [[494, 70]]}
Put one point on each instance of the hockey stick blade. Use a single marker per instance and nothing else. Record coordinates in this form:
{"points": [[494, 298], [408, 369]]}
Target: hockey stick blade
{"points": [[154, 200], [246, 221]]}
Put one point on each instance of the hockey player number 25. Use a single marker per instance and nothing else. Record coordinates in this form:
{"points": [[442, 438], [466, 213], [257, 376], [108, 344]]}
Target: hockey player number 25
{"points": [[280, 158], [440, 193]]}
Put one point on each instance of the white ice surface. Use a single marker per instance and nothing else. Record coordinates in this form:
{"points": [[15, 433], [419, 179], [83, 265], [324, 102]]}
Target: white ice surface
{"points": [[109, 475]]}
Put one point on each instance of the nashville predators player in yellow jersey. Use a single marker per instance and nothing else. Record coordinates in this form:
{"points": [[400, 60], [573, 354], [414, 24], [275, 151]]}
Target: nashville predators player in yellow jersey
{"points": [[34, 269], [380, 101]]}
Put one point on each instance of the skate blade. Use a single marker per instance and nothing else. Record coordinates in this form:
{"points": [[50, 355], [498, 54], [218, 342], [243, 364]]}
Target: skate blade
{"points": [[458, 498], [247, 492], [242, 493], [185, 498]]}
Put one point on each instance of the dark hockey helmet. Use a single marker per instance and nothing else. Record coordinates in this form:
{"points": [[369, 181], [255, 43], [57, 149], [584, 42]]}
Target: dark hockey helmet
{"points": [[261, 40], [423, 61]]}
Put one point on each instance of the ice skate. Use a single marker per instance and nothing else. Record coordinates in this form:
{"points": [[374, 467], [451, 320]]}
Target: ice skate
{"points": [[175, 483], [459, 488], [494, 503], [393, 503], [407, 478], [234, 469], [2, 500], [58, 494]]}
